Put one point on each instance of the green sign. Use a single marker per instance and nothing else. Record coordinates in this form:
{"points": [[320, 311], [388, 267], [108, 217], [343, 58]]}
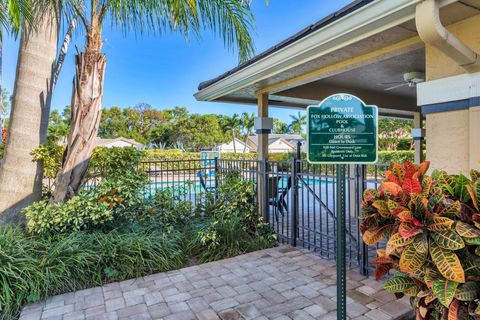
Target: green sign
{"points": [[342, 129]]}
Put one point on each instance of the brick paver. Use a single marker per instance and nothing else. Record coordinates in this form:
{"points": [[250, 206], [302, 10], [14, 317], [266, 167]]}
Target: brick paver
{"points": [[279, 283]]}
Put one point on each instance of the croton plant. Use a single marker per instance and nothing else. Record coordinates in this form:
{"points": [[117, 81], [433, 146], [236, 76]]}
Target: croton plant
{"points": [[431, 225]]}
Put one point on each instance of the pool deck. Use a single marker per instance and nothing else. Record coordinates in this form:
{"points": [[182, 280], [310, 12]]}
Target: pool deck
{"points": [[279, 283]]}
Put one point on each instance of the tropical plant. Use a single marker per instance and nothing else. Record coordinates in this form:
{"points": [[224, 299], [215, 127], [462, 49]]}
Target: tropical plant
{"points": [[232, 20], [34, 78], [298, 122], [248, 123], [35, 267], [232, 124], [432, 224], [118, 198], [231, 224]]}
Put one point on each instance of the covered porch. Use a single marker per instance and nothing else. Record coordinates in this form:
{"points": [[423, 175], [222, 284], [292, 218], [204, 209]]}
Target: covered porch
{"points": [[386, 53]]}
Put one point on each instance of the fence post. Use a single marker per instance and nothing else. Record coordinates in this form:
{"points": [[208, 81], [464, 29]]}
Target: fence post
{"points": [[262, 195], [294, 217], [340, 237], [362, 184], [216, 176]]}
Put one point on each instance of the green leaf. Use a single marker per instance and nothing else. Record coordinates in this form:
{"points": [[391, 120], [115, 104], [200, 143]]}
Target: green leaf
{"points": [[451, 210], [476, 191], [460, 189], [447, 263], [412, 259], [397, 240], [398, 284], [448, 240], [475, 175], [444, 290], [440, 224], [421, 243], [467, 291], [472, 241]]}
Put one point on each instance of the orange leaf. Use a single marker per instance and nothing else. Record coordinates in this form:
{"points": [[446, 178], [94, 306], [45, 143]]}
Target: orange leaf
{"points": [[391, 177], [422, 168], [411, 185], [405, 216], [391, 187], [453, 310]]}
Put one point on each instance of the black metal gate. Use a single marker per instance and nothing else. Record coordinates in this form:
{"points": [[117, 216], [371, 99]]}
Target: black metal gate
{"points": [[301, 201]]}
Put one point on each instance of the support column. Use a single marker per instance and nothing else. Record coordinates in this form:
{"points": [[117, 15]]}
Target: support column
{"points": [[474, 137], [418, 137], [262, 131]]}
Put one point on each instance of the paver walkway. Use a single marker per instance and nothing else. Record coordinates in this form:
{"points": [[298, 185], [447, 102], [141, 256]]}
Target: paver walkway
{"points": [[278, 283]]}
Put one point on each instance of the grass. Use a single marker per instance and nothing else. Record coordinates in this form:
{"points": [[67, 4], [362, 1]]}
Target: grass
{"points": [[34, 267]]}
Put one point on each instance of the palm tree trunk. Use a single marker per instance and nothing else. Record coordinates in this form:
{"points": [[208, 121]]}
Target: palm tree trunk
{"points": [[20, 176], [86, 112]]}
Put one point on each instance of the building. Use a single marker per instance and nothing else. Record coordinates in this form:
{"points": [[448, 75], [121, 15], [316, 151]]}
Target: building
{"points": [[278, 143], [428, 49], [229, 146], [118, 142]]}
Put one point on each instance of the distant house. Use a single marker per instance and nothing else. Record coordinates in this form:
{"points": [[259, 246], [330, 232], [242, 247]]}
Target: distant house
{"points": [[279, 143], [239, 146], [118, 142]]}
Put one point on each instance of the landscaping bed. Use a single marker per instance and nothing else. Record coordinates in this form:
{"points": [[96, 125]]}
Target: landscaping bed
{"points": [[115, 232]]}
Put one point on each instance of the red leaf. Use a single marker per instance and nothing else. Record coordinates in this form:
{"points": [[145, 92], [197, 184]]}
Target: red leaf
{"points": [[411, 186], [409, 169], [407, 230], [382, 270], [405, 215]]}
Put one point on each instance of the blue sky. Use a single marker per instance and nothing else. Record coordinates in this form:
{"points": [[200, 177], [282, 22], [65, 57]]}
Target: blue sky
{"points": [[165, 70]]}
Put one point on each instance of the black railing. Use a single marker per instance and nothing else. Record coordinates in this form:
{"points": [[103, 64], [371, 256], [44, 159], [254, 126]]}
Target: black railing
{"points": [[299, 199]]}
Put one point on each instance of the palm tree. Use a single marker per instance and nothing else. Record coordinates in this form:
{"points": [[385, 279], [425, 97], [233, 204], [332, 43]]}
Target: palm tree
{"points": [[231, 19], [12, 12], [298, 122], [20, 176], [232, 124], [248, 124]]}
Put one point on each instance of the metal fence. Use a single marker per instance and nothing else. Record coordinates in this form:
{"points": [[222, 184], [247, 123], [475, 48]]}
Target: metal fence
{"points": [[300, 197]]}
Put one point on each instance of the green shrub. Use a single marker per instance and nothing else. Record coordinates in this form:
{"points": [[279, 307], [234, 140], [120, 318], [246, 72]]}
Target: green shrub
{"points": [[388, 157], [432, 225], [34, 267], [113, 201], [231, 224], [170, 209]]}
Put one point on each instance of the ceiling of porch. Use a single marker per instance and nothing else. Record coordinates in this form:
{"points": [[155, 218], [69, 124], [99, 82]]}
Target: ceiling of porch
{"points": [[359, 68]]}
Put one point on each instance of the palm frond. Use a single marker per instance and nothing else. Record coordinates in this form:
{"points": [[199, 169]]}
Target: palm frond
{"points": [[13, 13], [232, 20]]}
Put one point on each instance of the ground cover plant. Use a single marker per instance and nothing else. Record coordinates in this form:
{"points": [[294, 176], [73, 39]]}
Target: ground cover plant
{"points": [[117, 231], [432, 228]]}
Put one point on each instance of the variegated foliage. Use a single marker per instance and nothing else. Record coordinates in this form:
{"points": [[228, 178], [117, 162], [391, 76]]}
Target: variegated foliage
{"points": [[431, 225]]}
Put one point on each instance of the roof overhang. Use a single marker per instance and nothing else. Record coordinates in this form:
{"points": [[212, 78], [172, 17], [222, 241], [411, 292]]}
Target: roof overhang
{"points": [[367, 20]]}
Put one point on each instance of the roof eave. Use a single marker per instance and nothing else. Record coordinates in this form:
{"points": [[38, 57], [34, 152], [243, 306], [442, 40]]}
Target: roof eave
{"points": [[362, 23]]}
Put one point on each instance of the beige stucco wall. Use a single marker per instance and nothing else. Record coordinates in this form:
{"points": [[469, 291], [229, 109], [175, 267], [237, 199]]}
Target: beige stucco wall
{"points": [[453, 138], [439, 65], [448, 140]]}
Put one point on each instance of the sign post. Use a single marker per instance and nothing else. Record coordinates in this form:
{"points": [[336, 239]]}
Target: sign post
{"points": [[342, 130]]}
